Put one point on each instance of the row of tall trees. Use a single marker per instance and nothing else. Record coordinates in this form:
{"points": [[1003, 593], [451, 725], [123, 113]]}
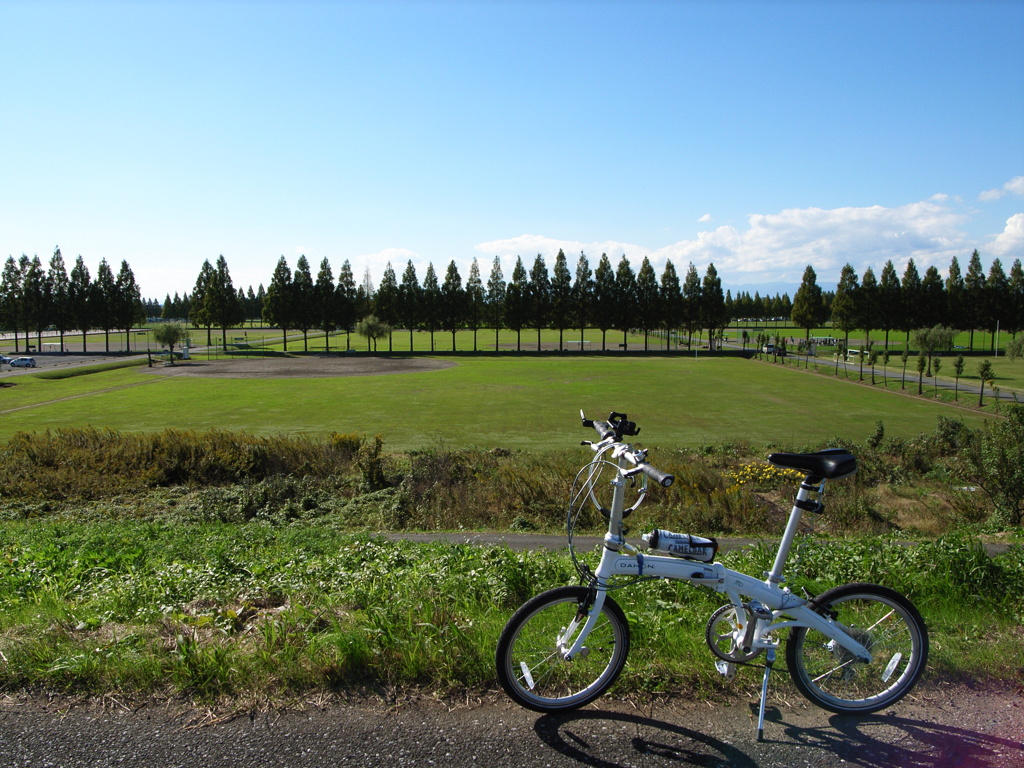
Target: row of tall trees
{"points": [[610, 298], [34, 298], [889, 303], [605, 297]]}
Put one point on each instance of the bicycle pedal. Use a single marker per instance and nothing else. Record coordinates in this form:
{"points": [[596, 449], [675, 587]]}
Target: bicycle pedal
{"points": [[726, 669]]}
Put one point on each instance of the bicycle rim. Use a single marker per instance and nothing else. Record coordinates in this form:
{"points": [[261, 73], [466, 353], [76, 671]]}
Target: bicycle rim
{"points": [[887, 624], [531, 666]]}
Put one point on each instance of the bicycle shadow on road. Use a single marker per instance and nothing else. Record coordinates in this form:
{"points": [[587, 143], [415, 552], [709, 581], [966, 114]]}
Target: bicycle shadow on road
{"points": [[616, 740], [585, 736], [909, 743]]}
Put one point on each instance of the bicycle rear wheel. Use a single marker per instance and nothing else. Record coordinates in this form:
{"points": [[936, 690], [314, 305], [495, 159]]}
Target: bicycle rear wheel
{"points": [[530, 663], [882, 620]]}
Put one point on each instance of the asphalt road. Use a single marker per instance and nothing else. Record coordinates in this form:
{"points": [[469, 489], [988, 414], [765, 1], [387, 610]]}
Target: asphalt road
{"points": [[943, 728]]}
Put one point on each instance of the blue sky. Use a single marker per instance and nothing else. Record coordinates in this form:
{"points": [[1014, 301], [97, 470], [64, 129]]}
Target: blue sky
{"points": [[761, 136]]}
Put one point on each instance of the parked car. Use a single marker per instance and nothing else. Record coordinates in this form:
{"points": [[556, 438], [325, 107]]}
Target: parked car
{"points": [[4, 359], [23, 362]]}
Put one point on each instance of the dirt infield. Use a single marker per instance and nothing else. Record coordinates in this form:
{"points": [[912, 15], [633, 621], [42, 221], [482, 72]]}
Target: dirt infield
{"points": [[301, 367]]}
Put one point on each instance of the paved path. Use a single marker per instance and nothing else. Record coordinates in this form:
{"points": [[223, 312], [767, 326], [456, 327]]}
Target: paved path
{"points": [[943, 728]]}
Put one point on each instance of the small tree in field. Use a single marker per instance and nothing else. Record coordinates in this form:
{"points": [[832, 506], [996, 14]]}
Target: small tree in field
{"points": [[922, 361], [371, 329], [985, 374], [169, 335], [1015, 348], [936, 366], [958, 369]]}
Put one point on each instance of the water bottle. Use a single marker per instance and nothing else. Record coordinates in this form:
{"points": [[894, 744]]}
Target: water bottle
{"points": [[683, 545]]}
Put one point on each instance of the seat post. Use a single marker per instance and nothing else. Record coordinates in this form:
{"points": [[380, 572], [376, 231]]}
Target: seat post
{"points": [[775, 575]]}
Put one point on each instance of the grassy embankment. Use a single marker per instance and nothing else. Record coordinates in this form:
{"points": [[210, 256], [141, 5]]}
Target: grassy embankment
{"points": [[230, 566]]}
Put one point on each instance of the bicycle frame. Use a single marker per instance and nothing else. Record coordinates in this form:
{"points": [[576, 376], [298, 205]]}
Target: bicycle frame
{"points": [[619, 558]]}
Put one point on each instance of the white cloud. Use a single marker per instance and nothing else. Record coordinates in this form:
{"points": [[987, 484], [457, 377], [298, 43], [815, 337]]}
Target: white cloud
{"points": [[1010, 242], [777, 247], [705, 218], [1014, 186], [529, 246]]}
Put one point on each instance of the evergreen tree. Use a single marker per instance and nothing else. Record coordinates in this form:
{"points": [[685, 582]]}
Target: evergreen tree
{"points": [[561, 297], [33, 297], [364, 301], [648, 300], [79, 299], [345, 299], [253, 305], [1015, 312], [475, 300], [997, 295], [692, 303], [260, 297], [713, 303], [845, 315], [57, 290], [127, 302], [583, 294], [671, 299], [326, 301], [387, 300], [10, 299], [974, 296], [199, 307], [933, 298], [304, 312], [625, 299], [277, 305], [808, 308], [453, 301], [104, 299], [605, 296], [539, 292], [224, 307], [495, 299], [890, 299], [431, 307], [517, 297], [912, 296], [867, 304], [954, 296], [410, 299]]}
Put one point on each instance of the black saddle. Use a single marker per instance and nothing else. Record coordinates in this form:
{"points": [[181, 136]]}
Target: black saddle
{"points": [[831, 464]]}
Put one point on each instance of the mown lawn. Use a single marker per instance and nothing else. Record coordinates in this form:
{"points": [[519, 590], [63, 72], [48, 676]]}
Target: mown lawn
{"points": [[511, 401]]}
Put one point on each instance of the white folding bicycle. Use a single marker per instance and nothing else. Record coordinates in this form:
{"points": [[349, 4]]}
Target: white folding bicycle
{"points": [[856, 648]]}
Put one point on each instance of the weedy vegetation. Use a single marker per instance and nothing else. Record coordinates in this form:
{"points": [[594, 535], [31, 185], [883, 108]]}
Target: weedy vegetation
{"points": [[229, 567]]}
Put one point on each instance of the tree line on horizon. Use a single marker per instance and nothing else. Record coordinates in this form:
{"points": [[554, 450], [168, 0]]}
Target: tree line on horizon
{"points": [[34, 299], [607, 298]]}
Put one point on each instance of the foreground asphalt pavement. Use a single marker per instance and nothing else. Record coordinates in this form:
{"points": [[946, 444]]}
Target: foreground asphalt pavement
{"points": [[943, 727]]}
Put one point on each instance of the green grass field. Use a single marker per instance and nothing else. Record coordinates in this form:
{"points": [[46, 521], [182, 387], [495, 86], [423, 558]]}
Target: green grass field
{"points": [[515, 402]]}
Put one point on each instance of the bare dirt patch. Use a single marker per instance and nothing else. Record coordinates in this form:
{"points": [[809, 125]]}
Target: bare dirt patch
{"points": [[301, 367]]}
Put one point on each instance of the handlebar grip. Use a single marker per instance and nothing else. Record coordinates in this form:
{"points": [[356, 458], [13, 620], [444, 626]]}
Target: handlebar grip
{"points": [[603, 428], [663, 479]]}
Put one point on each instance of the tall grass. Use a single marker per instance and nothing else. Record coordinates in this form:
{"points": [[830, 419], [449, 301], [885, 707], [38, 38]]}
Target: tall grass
{"points": [[255, 611]]}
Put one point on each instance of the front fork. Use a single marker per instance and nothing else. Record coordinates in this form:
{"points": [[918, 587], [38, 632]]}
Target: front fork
{"points": [[587, 614]]}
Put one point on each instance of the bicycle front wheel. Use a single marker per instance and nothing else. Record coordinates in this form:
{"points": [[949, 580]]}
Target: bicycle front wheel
{"points": [[885, 623], [530, 657]]}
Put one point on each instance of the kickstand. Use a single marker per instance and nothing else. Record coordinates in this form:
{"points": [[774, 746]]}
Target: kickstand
{"points": [[764, 693]]}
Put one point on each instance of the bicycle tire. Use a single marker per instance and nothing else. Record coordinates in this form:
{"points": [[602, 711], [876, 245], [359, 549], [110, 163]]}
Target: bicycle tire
{"points": [[530, 666], [882, 620]]}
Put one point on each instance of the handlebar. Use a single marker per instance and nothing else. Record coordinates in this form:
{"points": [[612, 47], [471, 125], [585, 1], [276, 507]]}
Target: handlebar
{"points": [[615, 428]]}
